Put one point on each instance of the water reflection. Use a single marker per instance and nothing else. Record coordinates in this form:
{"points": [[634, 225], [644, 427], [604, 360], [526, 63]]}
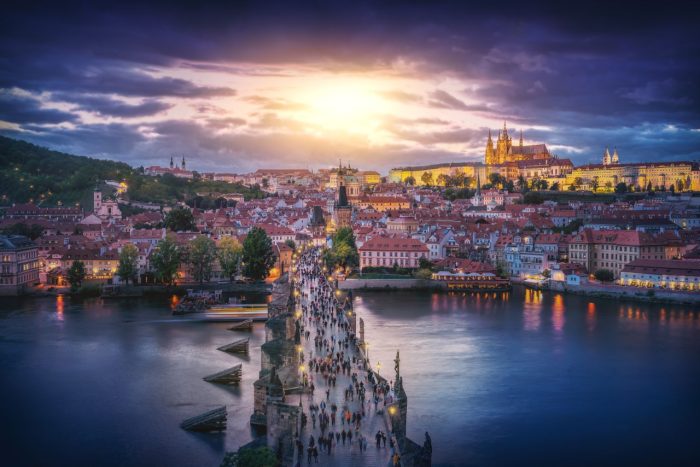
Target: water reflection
{"points": [[590, 317], [59, 307], [482, 371], [558, 314], [532, 309]]}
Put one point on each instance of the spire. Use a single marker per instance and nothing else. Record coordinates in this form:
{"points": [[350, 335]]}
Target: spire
{"points": [[615, 157], [606, 157], [342, 196], [172, 164], [183, 162], [397, 361], [521, 138], [490, 140], [505, 130]]}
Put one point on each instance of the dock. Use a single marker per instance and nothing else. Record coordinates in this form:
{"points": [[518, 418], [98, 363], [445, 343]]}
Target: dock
{"points": [[214, 420]]}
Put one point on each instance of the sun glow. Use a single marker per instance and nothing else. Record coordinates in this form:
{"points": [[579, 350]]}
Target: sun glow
{"points": [[349, 105]]}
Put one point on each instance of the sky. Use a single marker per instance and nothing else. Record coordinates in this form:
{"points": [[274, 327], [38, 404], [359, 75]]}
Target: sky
{"points": [[247, 85]]}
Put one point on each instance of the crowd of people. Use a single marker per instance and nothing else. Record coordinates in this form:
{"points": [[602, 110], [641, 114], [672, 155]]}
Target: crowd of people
{"points": [[340, 413]]}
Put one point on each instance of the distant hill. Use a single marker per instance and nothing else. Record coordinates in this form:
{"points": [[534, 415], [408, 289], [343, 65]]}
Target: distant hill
{"points": [[30, 172], [33, 173]]}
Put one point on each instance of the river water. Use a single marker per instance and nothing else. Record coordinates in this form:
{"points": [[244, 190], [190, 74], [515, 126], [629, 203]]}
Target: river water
{"points": [[526, 378]]}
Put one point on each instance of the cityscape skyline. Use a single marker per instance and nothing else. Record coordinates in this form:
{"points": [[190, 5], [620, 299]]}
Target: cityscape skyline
{"points": [[235, 89]]}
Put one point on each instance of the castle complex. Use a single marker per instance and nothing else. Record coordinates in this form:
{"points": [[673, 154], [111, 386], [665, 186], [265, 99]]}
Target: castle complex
{"points": [[505, 152], [534, 162]]}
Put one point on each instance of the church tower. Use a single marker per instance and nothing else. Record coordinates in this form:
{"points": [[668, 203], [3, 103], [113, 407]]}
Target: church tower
{"points": [[96, 200], [172, 164], [615, 157], [521, 141], [606, 157], [489, 157], [183, 163], [503, 145]]}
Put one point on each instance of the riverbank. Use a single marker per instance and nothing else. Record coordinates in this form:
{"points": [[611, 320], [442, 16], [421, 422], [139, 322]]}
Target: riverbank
{"points": [[132, 291], [391, 284], [620, 292], [591, 289]]}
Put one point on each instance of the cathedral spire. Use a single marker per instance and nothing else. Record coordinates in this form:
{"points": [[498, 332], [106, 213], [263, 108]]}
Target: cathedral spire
{"points": [[172, 164], [183, 163], [521, 138]]}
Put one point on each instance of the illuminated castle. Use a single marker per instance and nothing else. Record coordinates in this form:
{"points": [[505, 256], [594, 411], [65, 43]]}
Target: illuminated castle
{"points": [[505, 151]]}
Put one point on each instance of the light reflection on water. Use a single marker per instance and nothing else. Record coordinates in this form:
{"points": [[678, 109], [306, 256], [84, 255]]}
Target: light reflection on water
{"points": [[520, 378], [530, 379]]}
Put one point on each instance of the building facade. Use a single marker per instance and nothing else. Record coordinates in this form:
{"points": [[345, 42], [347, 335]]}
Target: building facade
{"points": [[19, 264], [390, 251]]}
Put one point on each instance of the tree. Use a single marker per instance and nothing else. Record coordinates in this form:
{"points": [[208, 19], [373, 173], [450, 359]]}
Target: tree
{"points": [[555, 186], [497, 180], [424, 263], [546, 273], [128, 263], [604, 275], [427, 178], [165, 260], [258, 257], [423, 274], [180, 219], [201, 258], [595, 184], [251, 457], [76, 274], [621, 188], [442, 179], [410, 180], [229, 254], [649, 187], [291, 244], [344, 251], [33, 232], [522, 183]]}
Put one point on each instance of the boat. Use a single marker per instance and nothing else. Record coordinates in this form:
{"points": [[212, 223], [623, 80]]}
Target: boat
{"points": [[237, 311]]}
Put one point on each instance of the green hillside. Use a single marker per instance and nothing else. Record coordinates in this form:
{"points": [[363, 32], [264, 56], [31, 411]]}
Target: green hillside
{"points": [[33, 173]]}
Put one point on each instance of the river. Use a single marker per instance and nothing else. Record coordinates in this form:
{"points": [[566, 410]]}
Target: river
{"points": [[526, 378]]}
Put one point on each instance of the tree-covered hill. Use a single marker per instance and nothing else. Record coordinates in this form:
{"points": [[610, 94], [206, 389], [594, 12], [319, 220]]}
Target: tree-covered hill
{"points": [[33, 173], [30, 172]]}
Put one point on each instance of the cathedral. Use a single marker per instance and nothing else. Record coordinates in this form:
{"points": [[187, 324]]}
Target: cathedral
{"points": [[505, 151]]}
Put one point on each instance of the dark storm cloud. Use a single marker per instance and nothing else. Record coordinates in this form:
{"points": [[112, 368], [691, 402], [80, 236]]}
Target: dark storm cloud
{"points": [[589, 70], [112, 107], [104, 79], [113, 140], [26, 110]]}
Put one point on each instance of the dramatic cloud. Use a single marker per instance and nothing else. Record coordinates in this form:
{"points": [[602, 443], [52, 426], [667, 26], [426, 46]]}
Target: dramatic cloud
{"points": [[21, 108], [252, 84], [113, 107]]}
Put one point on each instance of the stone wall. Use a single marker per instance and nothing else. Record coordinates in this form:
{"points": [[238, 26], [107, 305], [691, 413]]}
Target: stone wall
{"points": [[409, 283]]}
